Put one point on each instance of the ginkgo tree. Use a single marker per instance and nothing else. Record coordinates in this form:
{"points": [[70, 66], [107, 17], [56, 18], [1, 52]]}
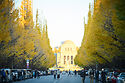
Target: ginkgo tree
{"points": [[103, 41], [21, 39]]}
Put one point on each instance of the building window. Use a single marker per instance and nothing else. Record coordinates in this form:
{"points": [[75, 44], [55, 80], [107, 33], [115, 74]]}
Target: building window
{"points": [[65, 49], [71, 59], [64, 59], [70, 49], [71, 62], [67, 58]]}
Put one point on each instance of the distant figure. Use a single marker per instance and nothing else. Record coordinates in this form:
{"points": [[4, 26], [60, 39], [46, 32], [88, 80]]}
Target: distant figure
{"points": [[37, 74], [54, 74], [69, 72], [97, 75], [103, 76], [20, 75], [58, 74], [114, 76], [7, 76], [75, 72], [24, 73], [46, 72], [3, 74], [91, 76], [83, 74], [33, 74]]}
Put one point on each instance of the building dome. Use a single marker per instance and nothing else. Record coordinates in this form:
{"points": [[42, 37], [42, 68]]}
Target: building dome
{"points": [[68, 42]]}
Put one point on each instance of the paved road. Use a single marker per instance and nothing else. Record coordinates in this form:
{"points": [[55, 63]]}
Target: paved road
{"points": [[63, 79]]}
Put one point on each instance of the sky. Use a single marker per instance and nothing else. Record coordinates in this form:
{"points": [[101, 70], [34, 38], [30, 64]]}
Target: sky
{"points": [[65, 19]]}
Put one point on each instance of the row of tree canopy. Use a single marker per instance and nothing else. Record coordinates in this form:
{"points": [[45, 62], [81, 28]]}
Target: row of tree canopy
{"points": [[103, 43], [23, 39]]}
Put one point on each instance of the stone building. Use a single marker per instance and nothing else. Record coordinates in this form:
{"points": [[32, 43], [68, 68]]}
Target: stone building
{"points": [[65, 55]]}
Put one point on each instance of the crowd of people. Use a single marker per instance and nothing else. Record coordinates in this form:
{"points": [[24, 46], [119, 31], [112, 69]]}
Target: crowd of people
{"points": [[94, 74], [11, 75], [57, 73]]}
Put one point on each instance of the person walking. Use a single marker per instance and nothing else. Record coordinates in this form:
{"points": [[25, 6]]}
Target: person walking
{"points": [[22, 74], [3, 76], [103, 76], [7, 76], [19, 75], [97, 75], [91, 76], [33, 74], [58, 74], [69, 72], [83, 74], [114, 78], [54, 74], [37, 74], [75, 72]]}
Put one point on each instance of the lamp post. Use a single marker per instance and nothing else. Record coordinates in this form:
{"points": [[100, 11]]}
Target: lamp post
{"points": [[56, 58], [13, 61], [96, 62], [27, 62]]}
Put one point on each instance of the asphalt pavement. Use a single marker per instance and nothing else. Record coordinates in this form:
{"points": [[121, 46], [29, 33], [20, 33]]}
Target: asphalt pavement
{"points": [[64, 78]]}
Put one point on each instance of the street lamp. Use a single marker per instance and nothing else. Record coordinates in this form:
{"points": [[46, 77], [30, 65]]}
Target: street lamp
{"points": [[27, 62], [56, 58], [96, 62]]}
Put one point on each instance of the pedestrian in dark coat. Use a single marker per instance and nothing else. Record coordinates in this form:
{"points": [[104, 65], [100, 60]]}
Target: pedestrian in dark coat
{"points": [[83, 74], [58, 74], [103, 76], [3, 74], [91, 76], [69, 72], [75, 72], [97, 75]]}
